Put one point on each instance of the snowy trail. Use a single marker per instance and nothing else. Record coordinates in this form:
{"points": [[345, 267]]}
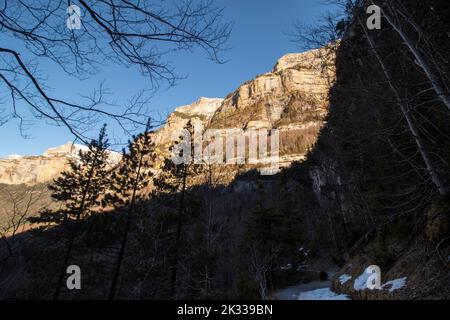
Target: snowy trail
{"points": [[318, 290], [321, 294]]}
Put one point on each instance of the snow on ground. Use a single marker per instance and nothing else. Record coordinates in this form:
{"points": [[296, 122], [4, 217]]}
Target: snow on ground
{"points": [[361, 282], [13, 156], [395, 284], [344, 278], [321, 294], [317, 290]]}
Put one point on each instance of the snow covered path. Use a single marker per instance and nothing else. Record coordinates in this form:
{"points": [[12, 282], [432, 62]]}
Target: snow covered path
{"points": [[321, 294], [318, 290]]}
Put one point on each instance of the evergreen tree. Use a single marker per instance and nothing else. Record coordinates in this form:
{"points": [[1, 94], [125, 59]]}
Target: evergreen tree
{"points": [[128, 185], [132, 176], [289, 223], [172, 185], [79, 189]]}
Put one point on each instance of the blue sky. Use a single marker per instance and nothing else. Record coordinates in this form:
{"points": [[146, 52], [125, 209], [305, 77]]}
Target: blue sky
{"points": [[257, 41]]}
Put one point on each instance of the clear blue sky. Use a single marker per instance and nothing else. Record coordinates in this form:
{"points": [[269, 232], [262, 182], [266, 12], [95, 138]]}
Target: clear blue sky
{"points": [[257, 41]]}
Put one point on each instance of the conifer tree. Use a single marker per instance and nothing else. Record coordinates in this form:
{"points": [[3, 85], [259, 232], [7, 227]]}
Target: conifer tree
{"points": [[128, 184], [79, 191], [172, 184]]}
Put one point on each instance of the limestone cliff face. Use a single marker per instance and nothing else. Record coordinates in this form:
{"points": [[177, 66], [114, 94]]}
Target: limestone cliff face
{"points": [[291, 98], [199, 112], [31, 170], [295, 88]]}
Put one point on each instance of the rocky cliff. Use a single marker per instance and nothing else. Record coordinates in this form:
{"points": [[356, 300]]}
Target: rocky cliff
{"points": [[199, 112], [16, 169], [291, 98]]}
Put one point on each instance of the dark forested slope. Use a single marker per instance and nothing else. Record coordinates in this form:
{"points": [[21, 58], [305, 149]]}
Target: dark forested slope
{"points": [[372, 191]]}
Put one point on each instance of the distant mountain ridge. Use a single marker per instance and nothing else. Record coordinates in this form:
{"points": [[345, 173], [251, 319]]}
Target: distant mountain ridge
{"points": [[292, 97], [34, 169]]}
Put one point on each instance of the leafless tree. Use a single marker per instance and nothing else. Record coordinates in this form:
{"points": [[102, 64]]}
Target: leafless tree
{"points": [[17, 208], [417, 41], [402, 111], [261, 263], [133, 33], [211, 228], [421, 145], [322, 40]]}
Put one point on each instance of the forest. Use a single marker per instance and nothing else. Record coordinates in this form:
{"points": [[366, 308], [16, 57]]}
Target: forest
{"points": [[373, 189]]}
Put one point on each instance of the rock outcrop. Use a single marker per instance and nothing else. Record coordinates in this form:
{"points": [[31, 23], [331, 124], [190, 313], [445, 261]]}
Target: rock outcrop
{"points": [[295, 88], [291, 98], [199, 112], [16, 169]]}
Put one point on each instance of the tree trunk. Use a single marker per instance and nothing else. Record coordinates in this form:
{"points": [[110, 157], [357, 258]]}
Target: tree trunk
{"points": [[74, 231], [421, 59], [126, 232], [173, 278], [424, 152]]}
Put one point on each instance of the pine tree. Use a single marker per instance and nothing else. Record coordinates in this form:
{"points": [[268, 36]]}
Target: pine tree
{"points": [[79, 191], [129, 181], [172, 185], [289, 223]]}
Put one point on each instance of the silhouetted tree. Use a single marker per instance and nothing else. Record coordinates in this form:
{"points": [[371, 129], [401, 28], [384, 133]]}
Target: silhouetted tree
{"points": [[172, 185], [132, 33], [18, 205], [79, 191], [129, 182]]}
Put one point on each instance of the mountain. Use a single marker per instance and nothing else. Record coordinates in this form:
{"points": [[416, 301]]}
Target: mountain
{"points": [[291, 98], [367, 210], [30, 170]]}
